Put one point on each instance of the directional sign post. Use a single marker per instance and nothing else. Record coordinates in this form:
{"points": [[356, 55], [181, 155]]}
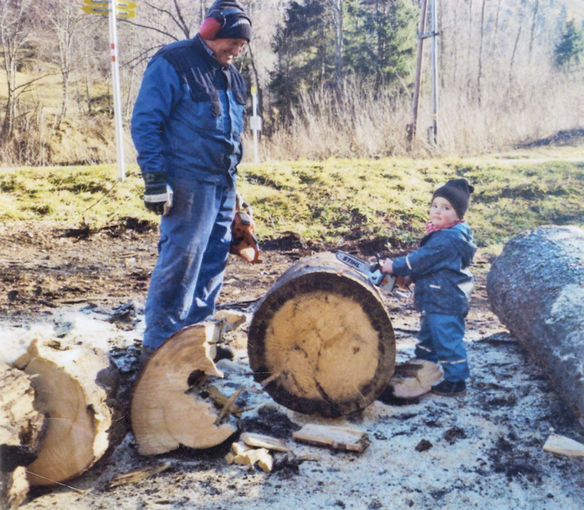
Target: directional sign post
{"points": [[112, 9]]}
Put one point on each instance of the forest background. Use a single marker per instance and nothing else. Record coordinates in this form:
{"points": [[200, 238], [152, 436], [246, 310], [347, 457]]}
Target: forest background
{"points": [[334, 77]]}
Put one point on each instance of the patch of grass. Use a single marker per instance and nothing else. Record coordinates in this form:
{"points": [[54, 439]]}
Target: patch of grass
{"points": [[386, 200]]}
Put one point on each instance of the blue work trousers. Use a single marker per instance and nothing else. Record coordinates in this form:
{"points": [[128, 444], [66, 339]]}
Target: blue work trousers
{"points": [[192, 255], [441, 340]]}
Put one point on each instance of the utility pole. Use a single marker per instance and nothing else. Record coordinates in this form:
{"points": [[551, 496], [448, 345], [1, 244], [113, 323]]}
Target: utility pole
{"points": [[435, 72], [422, 34]]}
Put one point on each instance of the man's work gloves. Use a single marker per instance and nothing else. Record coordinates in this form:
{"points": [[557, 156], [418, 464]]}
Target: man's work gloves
{"points": [[157, 193], [243, 241]]}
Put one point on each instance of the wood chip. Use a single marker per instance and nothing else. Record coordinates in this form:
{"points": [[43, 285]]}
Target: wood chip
{"points": [[563, 446], [336, 437], [246, 456], [223, 400], [137, 475], [263, 441]]}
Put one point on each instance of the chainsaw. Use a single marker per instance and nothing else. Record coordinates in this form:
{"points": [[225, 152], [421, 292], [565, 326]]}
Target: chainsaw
{"points": [[373, 271]]}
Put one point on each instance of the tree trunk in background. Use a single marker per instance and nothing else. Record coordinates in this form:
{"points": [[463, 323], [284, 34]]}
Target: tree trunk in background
{"points": [[533, 27], [321, 339], [536, 288], [481, 45]]}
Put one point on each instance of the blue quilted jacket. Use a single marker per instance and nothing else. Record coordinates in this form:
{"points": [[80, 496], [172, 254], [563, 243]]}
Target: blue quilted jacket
{"points": [[439, 268], [188, 116]]}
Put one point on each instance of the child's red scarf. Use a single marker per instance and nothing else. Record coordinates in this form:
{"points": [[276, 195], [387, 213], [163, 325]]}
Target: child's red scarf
{"points": [[430, 228]]}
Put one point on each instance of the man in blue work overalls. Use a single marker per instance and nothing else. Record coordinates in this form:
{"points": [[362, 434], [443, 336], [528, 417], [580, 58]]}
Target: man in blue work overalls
{"points": [[186, 126]]}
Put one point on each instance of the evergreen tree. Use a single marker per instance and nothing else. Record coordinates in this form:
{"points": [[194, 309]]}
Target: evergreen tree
{"points": [[570, 48], [305, 53], [379, 40]]}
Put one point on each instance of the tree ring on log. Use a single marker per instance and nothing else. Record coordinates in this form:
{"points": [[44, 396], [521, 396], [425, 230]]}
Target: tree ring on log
{"points": [[321, 340]]}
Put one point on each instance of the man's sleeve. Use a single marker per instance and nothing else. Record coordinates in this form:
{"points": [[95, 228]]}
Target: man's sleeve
{"points": [[159, 92]]}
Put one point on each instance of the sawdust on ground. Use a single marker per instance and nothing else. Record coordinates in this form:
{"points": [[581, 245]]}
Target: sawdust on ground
{"points": [[482, 449]]}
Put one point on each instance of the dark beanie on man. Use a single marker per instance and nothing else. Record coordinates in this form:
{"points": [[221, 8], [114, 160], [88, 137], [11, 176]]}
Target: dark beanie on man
{"points": [[226, 19], [457, 192]]}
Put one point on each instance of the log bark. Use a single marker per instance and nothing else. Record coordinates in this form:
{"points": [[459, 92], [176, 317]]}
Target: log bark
{"points": [[321, 340], [21, 430], [74, 387], [167, 409], [536, 288]]}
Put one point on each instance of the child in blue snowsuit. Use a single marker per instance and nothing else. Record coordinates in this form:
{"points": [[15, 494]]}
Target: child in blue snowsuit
{"points": [[443, 283]]}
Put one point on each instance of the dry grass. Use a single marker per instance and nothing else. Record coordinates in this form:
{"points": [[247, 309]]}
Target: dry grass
{"points": [[362, 125]]}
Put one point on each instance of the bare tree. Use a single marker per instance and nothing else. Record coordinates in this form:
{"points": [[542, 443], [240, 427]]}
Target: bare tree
{"points": [[516, 43], [482, 39], [533, 26], [63, 19], [14, 35]]}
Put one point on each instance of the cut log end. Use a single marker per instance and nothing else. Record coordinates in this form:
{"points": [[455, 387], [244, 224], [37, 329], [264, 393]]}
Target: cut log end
{"points": [[165, 412], [321, 340], [70, 388]]}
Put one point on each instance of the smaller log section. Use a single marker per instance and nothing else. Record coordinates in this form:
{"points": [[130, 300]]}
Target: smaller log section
{"points": [[167, 410], [321, 341], [536, 288], [74, 388]]}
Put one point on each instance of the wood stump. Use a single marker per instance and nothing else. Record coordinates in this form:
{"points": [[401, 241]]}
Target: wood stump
{"points": [[167, 409], [536, 288], [74, 388], [321, 340]]}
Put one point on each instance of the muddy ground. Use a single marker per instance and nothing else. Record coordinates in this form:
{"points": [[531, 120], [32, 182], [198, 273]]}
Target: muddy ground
{"points": [[484, 448]]}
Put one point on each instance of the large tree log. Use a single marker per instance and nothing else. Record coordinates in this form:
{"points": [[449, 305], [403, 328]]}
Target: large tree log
{"points": [[321, 339], [74, 386], [536, 288], [167, 409], [21, 430]]}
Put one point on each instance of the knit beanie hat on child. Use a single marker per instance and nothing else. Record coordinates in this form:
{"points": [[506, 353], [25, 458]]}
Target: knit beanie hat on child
{"points": [[226, 19], [457, 192]]}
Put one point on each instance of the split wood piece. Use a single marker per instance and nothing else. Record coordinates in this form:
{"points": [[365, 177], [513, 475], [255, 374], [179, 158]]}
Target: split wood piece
{"points": [[76, 387], [223, 401], [14, 488], [246, 456], [414, 378], [21, 431], [321, 340], [536, 288], [138, 475], [230, 320], [225, 322], [336, 437], [563, 446], [164, 413], [263, 441]]}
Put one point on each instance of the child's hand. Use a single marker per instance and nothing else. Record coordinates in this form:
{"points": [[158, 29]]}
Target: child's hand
{"points": [[386, 266]]}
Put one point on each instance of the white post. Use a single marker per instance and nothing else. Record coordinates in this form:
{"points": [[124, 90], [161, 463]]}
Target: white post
{"points": [[435, 71], [116, 90], [255, 123]]}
